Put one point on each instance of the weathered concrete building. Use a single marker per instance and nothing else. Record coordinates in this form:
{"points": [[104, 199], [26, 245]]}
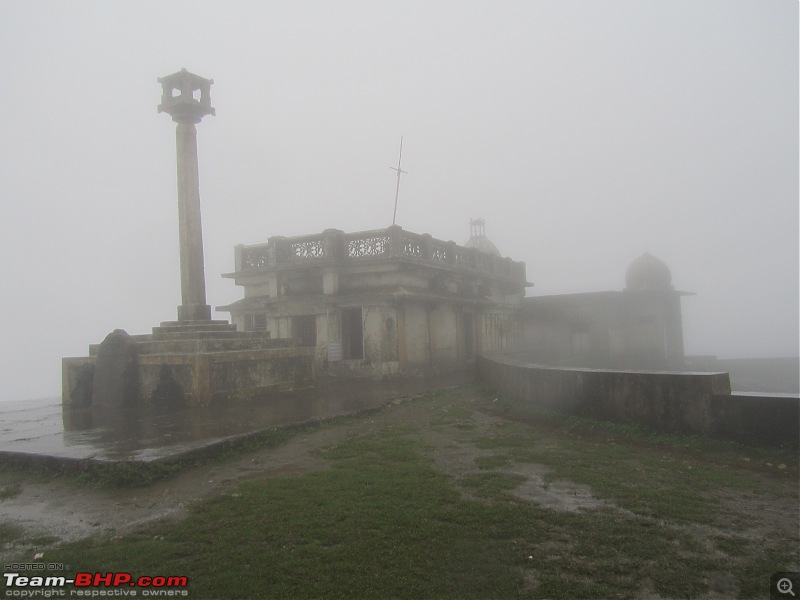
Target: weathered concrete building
{"points": [[383, 302], [389, 302], [639, 327]]}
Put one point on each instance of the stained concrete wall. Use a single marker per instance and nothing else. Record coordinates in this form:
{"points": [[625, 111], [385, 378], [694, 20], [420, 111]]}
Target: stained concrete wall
{"points": [[229, 376], [380, 333], [417, 346], [499, 331], [77, 379], [202, 378], [444, 335], [689, 403]]}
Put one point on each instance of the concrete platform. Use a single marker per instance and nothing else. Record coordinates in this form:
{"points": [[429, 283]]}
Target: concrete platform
{"points": [[40, 432]]}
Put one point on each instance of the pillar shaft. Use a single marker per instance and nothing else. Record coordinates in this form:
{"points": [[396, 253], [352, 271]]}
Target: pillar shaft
{"points": [[193, 281]]}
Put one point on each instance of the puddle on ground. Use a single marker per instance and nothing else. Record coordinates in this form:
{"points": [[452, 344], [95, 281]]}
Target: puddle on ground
{"points": [[558, 495], [456, 457]]}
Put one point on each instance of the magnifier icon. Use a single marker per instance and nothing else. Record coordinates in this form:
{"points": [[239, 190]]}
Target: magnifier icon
{"points": [[784, 586]]}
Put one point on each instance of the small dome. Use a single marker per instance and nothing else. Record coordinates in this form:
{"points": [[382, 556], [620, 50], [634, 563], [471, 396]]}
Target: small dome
{"points": [[483, 244], [648, 273], [478, 239]]}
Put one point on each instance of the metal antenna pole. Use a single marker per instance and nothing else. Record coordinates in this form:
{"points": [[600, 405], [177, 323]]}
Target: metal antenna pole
{"points": [[399, 172]]}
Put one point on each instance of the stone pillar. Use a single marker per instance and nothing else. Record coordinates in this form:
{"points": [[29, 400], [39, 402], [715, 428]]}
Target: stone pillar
{"points": [[395, 240], [330, 282], [193, 279], [186, 97]]}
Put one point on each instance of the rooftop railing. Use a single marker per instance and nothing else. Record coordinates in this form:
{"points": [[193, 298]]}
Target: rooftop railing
{"points": [[335, 247]]}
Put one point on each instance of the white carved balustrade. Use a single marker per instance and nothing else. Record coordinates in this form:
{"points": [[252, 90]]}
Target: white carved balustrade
{"points": [[369, 244], [336, 247]]}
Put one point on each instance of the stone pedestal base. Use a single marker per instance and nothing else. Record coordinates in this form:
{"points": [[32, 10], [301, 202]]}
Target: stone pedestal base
{"points": [[209, 326], [194, 312], [185, 363]]}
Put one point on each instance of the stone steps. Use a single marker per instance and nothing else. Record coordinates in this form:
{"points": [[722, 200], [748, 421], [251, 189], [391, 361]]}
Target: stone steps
{"points": [[210, 335], [193, 326], [219, 337], [203, 345]]}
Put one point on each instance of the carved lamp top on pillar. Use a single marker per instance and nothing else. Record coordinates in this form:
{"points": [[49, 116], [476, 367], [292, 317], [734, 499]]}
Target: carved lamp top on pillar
{"points": [[186, 97]]}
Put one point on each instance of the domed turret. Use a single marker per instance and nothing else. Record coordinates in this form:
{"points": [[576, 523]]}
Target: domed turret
{"points": [[648, 273], [477, 238]]}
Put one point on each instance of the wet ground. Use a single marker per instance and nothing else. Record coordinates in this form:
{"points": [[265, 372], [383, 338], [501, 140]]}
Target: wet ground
{"points": [[45, 509], [51, 508]]}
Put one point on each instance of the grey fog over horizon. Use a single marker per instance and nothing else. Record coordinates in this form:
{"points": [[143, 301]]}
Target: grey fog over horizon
{"points": [[584, 133]]}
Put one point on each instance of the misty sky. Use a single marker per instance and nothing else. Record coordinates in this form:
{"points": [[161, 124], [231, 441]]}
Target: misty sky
{"points": [[585, 133]]}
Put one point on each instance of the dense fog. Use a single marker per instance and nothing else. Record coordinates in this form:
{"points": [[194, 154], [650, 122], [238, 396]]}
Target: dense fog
{"points": [[584, 133]]}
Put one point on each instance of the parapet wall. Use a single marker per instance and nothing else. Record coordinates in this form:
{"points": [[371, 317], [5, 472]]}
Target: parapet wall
{"points": [[668, 402], [334, 247]]}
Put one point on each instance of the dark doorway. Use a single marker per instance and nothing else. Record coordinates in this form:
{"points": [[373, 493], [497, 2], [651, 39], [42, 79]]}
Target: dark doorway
{"points": [[304, 330], [352, 333]]}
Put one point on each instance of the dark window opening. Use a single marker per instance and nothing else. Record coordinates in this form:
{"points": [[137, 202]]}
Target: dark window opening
{"points": [[352, 334], [255, 322], [304, 330]]}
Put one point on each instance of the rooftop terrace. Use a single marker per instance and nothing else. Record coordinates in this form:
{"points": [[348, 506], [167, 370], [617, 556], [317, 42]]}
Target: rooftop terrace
{"points": [[335, 247]]}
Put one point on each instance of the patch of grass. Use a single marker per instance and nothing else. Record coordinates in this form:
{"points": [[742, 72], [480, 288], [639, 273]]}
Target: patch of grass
{"points": [[492, 462], [774, 555], [648, 483], [453, 413], [40, 541], [488, 485], [10, 491], [732, 545], [10, 532], [672, 476], [380, 523]]}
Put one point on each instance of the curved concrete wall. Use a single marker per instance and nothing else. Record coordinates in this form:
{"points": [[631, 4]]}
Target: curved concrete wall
{"points": [[691, 403]]}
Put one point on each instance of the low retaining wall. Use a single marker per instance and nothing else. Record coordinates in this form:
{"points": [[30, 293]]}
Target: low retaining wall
{"points": [[764, 419], [668, 402]]}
